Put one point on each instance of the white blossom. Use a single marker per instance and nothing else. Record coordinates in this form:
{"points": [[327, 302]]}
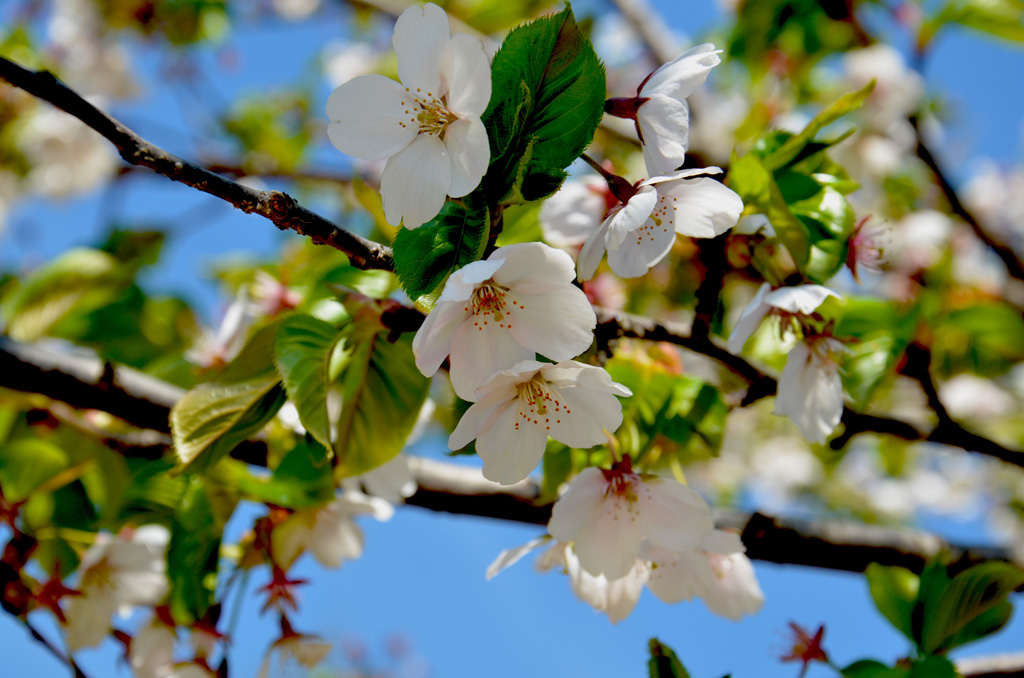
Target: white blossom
{"points": [[295, 649], [499, 311], [519, 408], [572, 214], [796, 300], [151, 651], [216, 348], [718, 572], [608, 515], [428, 126], [66, 156], [663, 116], [810, 389], [117, 573], [640, 233], [330, 533]]}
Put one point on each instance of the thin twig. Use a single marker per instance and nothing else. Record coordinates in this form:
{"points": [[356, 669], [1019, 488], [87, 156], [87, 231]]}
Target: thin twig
{"points": [[280, 208], [1014, 266]]}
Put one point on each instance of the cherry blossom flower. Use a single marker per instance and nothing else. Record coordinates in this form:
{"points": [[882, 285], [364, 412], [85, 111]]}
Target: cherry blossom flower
{"points": [[718, 572], [117, 573], [519, 408], [428, 126], [796, 300], [641, 232], [151, 651], [572, 214], [660, 110], [293, 648], [608, 514], [499, 311], [330, 532], [810, 388], [806, 648]]}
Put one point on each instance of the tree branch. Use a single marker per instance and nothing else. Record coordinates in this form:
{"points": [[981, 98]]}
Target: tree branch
{"points": [[996, 666], [280, 208], [446, 487], [1013, 264]]}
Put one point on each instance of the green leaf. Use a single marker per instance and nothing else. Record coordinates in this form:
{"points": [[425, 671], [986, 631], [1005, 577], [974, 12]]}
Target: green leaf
{"points": [[424, 257], [557, 466], [302, 480], [871, 668], [27, 464], [383, 392], [81, 279], [933, 667], [756, 185], [894, 590], [986, 337], [547, 98], [793, 149], [1001, 18], [882, 330], [374, 284], [947, 606], [303, 351], [193, 554], [664, 663], [212, 419]]}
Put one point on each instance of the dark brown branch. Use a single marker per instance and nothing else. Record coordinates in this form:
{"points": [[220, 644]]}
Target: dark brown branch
{"points": [[449, 488], [1009, 258], [278, 207]]}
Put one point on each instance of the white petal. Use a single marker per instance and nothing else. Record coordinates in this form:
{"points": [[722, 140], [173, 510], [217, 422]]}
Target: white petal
{"points": [[368, 118], [632, 216], [510, 557], [723, 542], [469, 152], [463, 282], [479, 351], [677, 576], [579, 505], [704, 207], [680, 77], [610, 544], [335, 539], [532, 267], [799, 298], [151, 651], [749, 320], [511, 446], [664, 126], [470, 89], [590, 413], [88, 620], [734, 590], [810, 393], [421, 42], [572, 214], [433, 340], [415, 182], [642, 248], [752, 223], [558, 324], [480, 414], [672, 515], [593, 251]]}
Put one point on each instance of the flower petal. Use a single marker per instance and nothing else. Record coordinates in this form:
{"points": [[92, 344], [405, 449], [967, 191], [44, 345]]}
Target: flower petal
{"points": [[532, 267], [478, 351], [665, 127], [415, 182], [558, 324], [643, 248], [433, 340], [470, 88], [510, 557], [369, 119], [749, 320], [810, 393], [479, 415], [632, 216], [677, 576], [572, 214], [672, 515], [469, 152], [680, 77], [704, 207], [800, 298], [511, 447], [579, 505], [609, 545], [593, 251], [421, 41]]}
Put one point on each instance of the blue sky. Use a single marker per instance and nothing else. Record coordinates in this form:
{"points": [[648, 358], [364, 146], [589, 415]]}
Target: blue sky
{"points": [[422, 573]]}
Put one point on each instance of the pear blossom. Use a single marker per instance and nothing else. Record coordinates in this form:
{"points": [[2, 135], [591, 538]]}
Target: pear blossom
{"points": [[519, 408], [117, 573], [569, 216], [330, 533], [660, 110], [796, 300], [428, 126], [608, 515], [504, 309], [641, 232], [810, 389]]}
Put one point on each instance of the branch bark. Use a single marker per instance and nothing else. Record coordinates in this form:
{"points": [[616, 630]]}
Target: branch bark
{"points": [[146, 402], [277, 206]]}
